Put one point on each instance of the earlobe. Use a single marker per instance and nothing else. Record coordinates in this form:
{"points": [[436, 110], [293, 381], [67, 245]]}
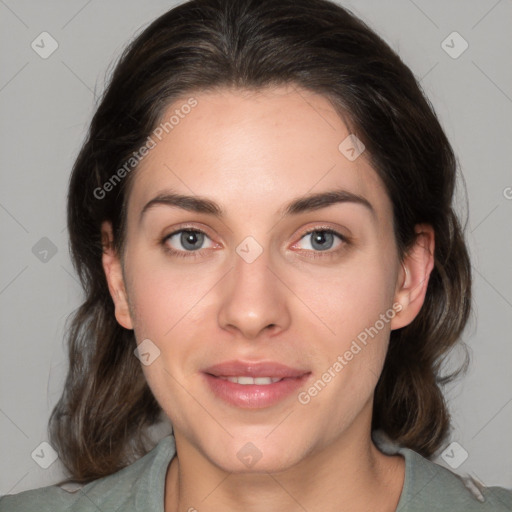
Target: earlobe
{"points": [[414, 276], [114, 275]]}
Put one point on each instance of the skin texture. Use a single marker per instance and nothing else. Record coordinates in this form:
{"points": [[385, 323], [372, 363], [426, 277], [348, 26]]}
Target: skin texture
{"points": [[252, 153]]}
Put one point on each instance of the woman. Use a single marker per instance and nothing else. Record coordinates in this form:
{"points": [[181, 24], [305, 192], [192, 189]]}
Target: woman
{"points": [[261, 217]]}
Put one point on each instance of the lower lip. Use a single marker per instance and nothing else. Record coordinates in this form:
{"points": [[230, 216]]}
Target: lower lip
{"points": [[254, 396]]}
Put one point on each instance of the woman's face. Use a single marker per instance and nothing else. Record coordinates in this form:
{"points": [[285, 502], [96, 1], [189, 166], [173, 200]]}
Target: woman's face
{"points": [[256, 286]]}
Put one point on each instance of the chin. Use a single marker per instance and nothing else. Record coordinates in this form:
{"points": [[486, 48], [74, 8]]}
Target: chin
{"points": [[257, 456]]}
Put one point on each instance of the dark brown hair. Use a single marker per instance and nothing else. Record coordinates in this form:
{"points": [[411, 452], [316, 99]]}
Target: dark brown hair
{"points": [[100, 423]]}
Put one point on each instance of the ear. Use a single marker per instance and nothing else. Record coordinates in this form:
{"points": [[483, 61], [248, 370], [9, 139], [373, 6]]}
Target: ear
{"points": [[113, 272], [413, 276]]}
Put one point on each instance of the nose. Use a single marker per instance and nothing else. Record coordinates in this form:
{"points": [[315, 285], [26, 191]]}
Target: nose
{"points": [[253, 299]]}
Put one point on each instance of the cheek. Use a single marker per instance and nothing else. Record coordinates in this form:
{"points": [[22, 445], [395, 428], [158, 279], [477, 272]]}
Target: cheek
{"points": [[351, 343], [350, 336], [165, 297], [349, 298]]}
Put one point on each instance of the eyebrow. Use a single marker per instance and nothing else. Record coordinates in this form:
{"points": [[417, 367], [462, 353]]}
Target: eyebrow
{"points": [[299, 205]]}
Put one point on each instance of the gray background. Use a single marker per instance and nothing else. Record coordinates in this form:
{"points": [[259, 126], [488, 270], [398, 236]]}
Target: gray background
{"points": [[46, 106]]}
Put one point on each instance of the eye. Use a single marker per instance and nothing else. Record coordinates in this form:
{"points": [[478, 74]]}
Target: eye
{"points": [[322, 239], [185, 241], [188, 242]]}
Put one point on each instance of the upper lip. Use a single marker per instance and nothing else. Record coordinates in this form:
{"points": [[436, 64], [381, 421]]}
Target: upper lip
{"points": [[254, 369]]}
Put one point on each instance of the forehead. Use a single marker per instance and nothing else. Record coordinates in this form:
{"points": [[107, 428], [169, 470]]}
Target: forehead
{"points": [[260, 147]]}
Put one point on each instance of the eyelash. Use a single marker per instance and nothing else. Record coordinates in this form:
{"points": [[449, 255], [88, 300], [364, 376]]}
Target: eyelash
{"points": [[312, 254]]}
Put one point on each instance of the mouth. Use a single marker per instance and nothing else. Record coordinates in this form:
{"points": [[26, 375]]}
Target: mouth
{"points": [[246, 381], [254, 385]]}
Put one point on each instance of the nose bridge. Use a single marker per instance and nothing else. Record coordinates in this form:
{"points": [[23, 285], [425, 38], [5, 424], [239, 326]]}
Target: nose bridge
{"points": [[253, 299]]}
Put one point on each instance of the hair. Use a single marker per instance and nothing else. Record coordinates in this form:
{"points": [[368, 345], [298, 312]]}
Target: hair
{"points": [[101, 421]]}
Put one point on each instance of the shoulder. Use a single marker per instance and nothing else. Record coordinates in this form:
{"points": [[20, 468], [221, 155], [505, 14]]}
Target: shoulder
{"points": [[429, 486], [44, 499], [135, 487]]}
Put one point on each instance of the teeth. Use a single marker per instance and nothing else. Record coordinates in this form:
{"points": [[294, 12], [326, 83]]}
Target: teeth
{"points": [[250, 380]]}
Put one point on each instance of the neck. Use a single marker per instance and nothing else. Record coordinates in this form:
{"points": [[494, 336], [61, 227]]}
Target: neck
{"points": [[350, 474]]}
